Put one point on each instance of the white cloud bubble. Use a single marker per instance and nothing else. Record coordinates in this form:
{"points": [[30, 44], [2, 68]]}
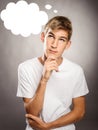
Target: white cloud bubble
{"points": [[23, 18], [55, 11], [48, 6]]}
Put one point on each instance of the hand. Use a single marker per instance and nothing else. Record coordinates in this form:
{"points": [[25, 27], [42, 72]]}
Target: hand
{"points": [[36, 122], [49, 66]]}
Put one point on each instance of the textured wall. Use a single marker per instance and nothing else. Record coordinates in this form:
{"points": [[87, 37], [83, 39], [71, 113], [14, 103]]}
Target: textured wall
{"points": [[15, 49]]}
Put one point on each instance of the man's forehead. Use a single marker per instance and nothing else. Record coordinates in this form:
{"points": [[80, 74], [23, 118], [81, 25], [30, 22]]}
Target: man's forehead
{"points": [[59, 32]]}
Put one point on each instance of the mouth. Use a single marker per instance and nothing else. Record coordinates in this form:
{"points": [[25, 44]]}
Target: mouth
{"points": [[52, 51]]}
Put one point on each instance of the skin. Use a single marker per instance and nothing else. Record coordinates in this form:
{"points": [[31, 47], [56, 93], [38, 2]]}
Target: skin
{"points": [[55, 43]]}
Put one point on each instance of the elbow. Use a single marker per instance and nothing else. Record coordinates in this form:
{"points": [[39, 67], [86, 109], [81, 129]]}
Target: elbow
{"points": [[27, 108], [30, 110], [80, 115]]}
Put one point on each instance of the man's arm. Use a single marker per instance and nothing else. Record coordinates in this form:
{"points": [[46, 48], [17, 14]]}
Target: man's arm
{"points": [[75, 115], [34, 105]]}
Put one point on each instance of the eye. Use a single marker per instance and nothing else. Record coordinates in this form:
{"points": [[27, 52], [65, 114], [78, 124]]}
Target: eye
{"points": [[50, 35], [63, 40]]}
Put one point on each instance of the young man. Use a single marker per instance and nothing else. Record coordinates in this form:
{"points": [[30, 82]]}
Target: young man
{"points": [[50, 84]]}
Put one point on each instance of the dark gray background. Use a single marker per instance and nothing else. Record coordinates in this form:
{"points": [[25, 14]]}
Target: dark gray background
{"points": [[15, 49]]}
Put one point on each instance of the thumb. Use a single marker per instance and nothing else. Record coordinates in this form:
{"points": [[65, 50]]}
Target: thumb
{"points": [[29, 116]]}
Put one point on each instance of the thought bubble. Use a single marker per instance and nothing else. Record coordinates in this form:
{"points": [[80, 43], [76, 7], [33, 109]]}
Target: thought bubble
{"points": [[23, 18], [48, 6]]}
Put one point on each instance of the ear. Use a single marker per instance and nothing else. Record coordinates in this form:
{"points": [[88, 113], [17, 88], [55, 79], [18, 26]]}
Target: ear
{"points": [[42, 36], [68, 44]]}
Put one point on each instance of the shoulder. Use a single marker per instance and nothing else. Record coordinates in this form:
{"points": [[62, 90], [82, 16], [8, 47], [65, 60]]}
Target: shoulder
{"points": [[27, 64], [73, 67]]}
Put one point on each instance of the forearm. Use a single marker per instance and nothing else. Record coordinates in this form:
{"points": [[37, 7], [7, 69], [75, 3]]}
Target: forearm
{"points": [[69, 118], [34, 106]]}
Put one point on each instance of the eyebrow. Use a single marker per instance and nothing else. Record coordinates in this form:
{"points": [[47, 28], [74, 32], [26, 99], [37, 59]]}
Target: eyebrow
{"points": [[60, 37], [51, 33], [64, 37]]}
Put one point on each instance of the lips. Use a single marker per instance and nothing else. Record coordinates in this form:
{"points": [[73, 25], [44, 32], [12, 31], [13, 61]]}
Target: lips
{"points": [[52, 51]]}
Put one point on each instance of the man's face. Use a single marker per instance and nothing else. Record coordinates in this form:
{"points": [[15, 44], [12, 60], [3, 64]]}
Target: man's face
{"points": [[55, 42]]}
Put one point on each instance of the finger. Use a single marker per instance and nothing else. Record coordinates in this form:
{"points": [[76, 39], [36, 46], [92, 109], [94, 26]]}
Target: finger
{"points": [[51, 62], [30, 116], [51, 68], [51, 58]]}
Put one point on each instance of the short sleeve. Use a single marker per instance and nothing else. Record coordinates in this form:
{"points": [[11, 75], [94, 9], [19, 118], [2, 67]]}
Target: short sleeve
{"points": [[80, 88], [25, 88]]}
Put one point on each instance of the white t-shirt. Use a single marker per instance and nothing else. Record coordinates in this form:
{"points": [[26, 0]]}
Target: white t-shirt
{"points": [[61, 88]]}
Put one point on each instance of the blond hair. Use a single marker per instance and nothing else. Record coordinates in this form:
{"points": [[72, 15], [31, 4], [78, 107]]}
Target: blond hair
{"points": [[59, 22]]}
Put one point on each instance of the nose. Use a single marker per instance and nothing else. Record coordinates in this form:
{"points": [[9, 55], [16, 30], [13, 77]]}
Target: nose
{"points": [[54, 44]]}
